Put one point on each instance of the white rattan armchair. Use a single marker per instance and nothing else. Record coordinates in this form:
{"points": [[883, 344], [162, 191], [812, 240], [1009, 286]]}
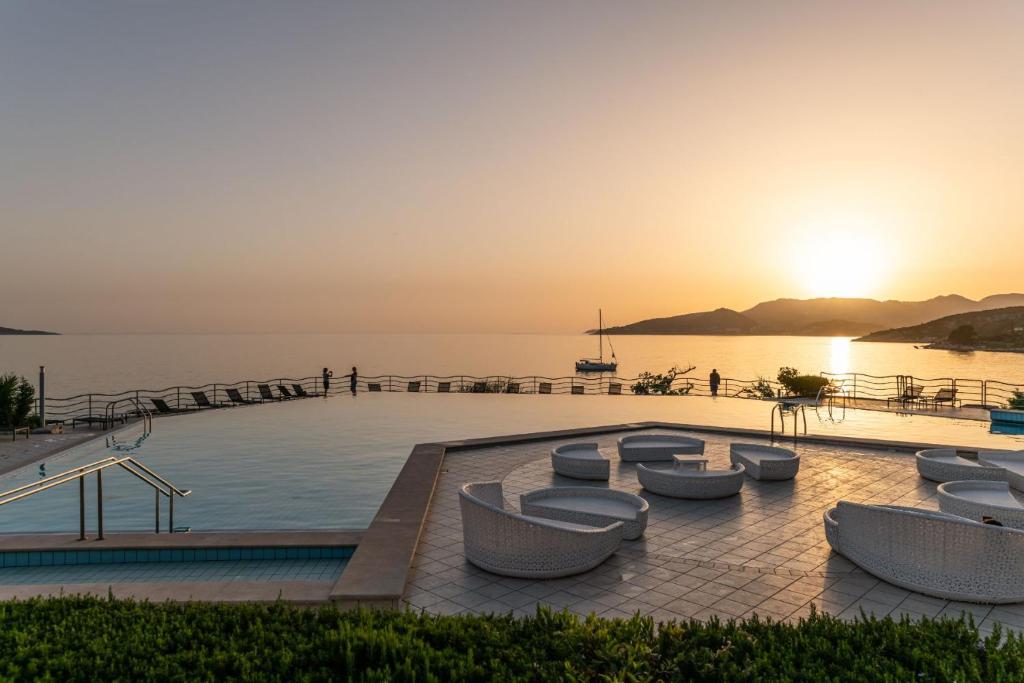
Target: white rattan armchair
{"points": [[950, 464], [765, 463], [508, 543]]}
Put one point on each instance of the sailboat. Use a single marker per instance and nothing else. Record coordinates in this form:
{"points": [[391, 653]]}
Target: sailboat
{"points": [[598, 364]]}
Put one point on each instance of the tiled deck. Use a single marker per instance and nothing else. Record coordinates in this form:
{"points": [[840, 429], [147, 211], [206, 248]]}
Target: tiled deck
{"points": [[761, 552]]}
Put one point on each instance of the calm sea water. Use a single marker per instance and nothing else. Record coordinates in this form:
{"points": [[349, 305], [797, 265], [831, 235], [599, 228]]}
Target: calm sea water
{"points": [[98, 363]]}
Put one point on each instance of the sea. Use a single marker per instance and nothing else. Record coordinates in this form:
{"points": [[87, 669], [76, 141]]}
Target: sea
{"points": [[77, 363]]}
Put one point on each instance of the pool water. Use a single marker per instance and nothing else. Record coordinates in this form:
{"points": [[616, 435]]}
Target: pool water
{"points": [[328, 463]]}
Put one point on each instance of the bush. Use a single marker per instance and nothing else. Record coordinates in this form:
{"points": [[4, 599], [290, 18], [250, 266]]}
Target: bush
{"points": [[965, 335], [800, 385], [762, 388], [88, 639], [1017, 401], [16, 398], [649, 383]]}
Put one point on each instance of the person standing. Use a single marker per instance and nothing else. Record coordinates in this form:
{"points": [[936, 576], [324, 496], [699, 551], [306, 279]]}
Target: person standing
{"points": [[714, 381], [353, 380], [327, 374]]}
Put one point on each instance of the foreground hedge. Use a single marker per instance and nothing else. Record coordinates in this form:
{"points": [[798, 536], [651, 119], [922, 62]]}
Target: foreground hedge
{"points": [[87, 639]]}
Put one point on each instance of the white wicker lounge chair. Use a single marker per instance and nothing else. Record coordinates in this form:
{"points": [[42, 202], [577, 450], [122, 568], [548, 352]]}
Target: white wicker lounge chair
{"points": [[512, 544], [1011, 461], [580, 461], [930, 552], [692, 483], [765, 463], [589, 505], [657, 447], [978, 499], [950, 464]]}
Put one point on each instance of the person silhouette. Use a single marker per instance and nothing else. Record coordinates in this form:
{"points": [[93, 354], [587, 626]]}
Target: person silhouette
{"points": [[353, 380], [327, 374], [714, 381]]}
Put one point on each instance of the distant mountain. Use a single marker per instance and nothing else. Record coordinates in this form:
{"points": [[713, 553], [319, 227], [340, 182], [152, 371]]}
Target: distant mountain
{"points": [[818, 317], [11, 330], [1000, 328]]}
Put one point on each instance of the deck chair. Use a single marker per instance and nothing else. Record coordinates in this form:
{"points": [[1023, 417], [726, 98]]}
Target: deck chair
{"points": [[544, 388], [266, 394], [203, 401], [444, 387], [284, 391], [479, 387], [512, 388], [944, 395], [910, 394], [577, 389], [300, 392], [373, 386], [614, 389], [236, 397], [414, 387], [164, 409]]}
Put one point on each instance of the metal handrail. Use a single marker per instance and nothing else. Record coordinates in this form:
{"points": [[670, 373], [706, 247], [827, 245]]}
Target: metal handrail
{"points": [[127, 463]]}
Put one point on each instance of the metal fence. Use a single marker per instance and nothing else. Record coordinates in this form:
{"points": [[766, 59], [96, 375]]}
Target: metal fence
{"points": [[104, 407], [986, 393]]}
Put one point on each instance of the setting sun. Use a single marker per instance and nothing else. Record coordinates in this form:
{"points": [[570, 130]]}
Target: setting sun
{"points": [[841, 259]]}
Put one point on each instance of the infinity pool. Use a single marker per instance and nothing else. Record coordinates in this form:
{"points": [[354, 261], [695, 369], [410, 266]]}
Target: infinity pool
{"points": [[328, 463]]}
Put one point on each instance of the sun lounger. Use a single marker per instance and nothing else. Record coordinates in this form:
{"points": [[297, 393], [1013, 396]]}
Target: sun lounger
{"points": [[577, 389], [614, 389], [413, 388], [285, 393], [266, 394], [910, 394], [945, 395], [300, 392], [236, 397], [479, 387], [544, 388], [202, 401], [373, 386], [512, 388], [444, 387], [164, 409]]}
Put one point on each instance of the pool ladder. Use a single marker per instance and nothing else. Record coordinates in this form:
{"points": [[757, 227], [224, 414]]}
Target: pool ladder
{"points": [[161, 487]]}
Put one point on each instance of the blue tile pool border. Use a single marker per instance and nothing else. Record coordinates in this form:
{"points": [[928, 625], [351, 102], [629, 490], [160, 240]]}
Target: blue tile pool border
{"points": [[51, 558]]}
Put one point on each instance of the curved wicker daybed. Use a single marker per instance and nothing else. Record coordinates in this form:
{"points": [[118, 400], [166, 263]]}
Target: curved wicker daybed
{"points": [[930, 552], [511, 544], [949, 464], [657, 447], [589, 505], [580, 461]]}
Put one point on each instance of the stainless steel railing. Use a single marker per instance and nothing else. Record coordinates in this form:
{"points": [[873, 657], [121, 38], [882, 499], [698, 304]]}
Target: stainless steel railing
{"points": [[160, 486]]}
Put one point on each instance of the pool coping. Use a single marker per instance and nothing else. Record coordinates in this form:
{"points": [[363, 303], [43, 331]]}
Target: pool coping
{"points": [[377, 574]]}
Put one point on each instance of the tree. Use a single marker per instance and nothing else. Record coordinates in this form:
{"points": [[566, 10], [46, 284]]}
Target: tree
{"points": [[965, 335]]}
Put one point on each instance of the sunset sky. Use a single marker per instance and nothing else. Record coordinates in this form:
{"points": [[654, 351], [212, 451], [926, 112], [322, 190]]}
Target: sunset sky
{"points": [[460, 166]]}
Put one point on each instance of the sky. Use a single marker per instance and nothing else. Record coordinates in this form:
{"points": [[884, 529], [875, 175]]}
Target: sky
{"points": [[508, 167]]}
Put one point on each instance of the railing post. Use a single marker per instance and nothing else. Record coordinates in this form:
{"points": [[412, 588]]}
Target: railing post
{"points": [[99, 505], [178, 405], [81, 508], [170, 513], [984, 392], [42, 395], [90, 405]]}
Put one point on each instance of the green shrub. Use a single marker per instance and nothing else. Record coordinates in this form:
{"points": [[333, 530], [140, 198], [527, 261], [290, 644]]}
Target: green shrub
{"points": [[88, 639], [800, 385], [649, 383], [1017, 401], [16, 399]]}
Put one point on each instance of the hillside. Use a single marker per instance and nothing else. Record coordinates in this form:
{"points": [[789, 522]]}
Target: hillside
{"points": [[1001, 329], [818, 317], [11, 330]]}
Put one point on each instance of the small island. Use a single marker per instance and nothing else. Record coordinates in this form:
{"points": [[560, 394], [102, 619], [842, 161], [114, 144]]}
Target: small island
{"points": [[1001, 329], [13, 331]]}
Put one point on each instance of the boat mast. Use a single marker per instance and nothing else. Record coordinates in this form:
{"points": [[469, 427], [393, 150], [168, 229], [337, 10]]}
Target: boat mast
{"points": [[600, 336]]}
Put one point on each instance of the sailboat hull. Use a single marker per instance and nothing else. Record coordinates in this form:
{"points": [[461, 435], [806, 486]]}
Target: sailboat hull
{"points": [[595, 366]]}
